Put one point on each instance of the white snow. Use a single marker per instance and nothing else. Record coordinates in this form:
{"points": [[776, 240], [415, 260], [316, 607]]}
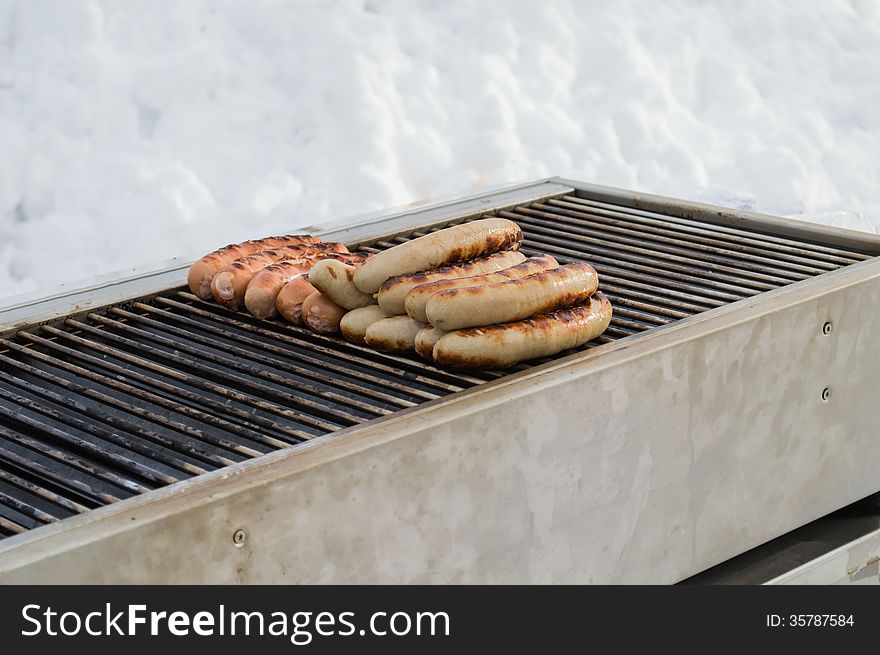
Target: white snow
{"points": [[134, 131]]}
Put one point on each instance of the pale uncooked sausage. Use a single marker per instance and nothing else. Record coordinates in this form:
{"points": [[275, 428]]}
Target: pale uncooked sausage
{"points": [[334, 280], [355, 323], [393, 334], [426, 339]]}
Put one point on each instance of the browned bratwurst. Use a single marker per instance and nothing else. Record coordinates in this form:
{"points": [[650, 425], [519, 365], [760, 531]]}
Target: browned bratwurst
{"points": [[203, 271], [291, 298], [393, 291], [514, 300], [229, 285], [500, 346], [321, 314], [417, 298], [452, 244], [262, 290]]}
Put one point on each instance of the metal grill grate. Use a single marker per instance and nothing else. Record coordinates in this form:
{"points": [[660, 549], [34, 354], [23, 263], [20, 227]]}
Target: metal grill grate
{"points": [[103, 407]]}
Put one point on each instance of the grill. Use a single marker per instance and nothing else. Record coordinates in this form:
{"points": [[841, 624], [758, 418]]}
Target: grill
{"points": [[111, 405], [103, 405]]}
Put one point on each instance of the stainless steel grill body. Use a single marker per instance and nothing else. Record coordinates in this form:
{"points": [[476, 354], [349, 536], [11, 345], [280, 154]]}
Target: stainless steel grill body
{"points": [[693, 430]]}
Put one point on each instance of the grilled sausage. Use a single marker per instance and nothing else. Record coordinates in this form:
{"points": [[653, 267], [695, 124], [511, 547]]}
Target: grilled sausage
{"points": [[417, 298], [321, 315], [393, 334], [355, 323], [425, 340], [500, 346], [262, 291], [291, 297], [513, 300], [229, 285], [203, 271], [393, 292], [334, 280], [453, 244]]}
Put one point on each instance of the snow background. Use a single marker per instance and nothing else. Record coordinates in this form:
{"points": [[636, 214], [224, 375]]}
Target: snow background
{"points": [[132, 131]]}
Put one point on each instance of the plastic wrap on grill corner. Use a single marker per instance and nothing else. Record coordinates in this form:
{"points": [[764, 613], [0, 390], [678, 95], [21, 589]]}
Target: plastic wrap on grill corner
{"points": [[462, 296]]}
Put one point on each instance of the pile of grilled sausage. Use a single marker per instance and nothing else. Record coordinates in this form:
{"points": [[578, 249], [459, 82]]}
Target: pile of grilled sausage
{"points": [[463, 296]]}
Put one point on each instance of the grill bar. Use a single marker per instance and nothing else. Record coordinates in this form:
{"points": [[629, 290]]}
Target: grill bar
{"points": [[113, 403], [20, 504], [780, 246], [630, 285], [73, 486], [220, 453], [407, 370], [9, 528], [344, 379], [71, 458], [232, 361], [99, 458], [55, 412], [162, 360], [294, 348], [695, 273], [60, 506], [722, 268], [732, 253]]}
